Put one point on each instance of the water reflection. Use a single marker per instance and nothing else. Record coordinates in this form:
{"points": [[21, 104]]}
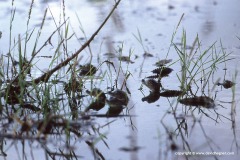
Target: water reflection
{"points": [[208, 27]]}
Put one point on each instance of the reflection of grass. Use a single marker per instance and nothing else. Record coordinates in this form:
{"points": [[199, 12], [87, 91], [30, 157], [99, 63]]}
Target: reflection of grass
{"points": [[233, 111]]}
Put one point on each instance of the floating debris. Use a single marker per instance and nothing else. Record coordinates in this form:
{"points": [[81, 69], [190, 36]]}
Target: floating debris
{"points": [[226, 84], [174, 147], [163, 62], [146, 54], [110, 55], [136, 56], [152, 97], [171, 7], [162, 71], [152, 84], [171, 93], [125, 59], [130, 149], [87, 70], [203, 101]]}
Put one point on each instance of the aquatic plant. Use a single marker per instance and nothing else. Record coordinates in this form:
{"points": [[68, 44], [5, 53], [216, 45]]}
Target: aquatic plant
{"points": [[197, 65]]}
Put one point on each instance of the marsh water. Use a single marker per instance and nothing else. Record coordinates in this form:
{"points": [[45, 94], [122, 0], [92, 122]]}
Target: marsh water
{"points": [[142, 31]]}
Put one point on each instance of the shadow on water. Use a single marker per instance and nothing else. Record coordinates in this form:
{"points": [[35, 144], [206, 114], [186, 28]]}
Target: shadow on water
{"points": [[89, 106]]}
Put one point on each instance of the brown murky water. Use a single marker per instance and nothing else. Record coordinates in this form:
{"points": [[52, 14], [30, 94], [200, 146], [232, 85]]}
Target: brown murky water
{"points": [[163, 129]]}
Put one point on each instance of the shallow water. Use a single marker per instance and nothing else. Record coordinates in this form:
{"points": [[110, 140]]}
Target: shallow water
{"points": [[156, 21]]}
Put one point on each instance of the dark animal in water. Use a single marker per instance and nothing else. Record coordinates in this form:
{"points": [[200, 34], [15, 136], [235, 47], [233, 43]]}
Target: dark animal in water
{"points": [[96, 105], [226, 84], [203, 101], [152, 97], [118, 97], [114, 111], [100, 100]]}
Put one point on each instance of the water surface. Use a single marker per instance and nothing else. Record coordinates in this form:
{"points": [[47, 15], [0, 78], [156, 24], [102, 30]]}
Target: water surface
{"points": [[151, 125]]}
